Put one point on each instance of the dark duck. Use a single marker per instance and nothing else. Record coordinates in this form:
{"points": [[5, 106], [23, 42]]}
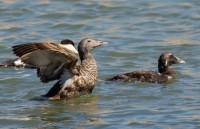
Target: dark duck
{"points": [[68, 44], [165, 72], [55, 62]]}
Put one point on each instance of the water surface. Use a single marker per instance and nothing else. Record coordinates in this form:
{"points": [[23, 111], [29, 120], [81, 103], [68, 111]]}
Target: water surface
{"points": [[137, 32]]}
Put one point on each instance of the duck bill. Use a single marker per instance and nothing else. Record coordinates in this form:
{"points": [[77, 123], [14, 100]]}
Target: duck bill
{"points": [[180, 61], [100, 43]]}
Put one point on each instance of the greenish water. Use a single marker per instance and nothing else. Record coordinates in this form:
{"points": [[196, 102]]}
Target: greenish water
{"points": [[137, 32]]}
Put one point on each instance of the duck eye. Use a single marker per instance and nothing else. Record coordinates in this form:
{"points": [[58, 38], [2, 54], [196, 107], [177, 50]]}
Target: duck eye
{"points": [[89, 41], [171, 56]]}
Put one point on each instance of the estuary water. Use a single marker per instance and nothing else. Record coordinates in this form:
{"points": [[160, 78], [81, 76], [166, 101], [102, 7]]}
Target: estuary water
{"points": [[137, 32]]}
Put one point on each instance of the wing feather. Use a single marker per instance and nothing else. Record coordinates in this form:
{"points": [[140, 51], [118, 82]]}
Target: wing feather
{"points": [[23, 49], [50, 59], [64, 78]]}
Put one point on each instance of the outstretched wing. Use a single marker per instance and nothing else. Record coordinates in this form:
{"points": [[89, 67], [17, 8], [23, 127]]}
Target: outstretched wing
{"points": [[23, 49], [50, 59]]}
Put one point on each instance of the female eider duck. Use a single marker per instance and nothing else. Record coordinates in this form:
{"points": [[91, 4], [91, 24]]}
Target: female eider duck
{"points": [[68, 44], [55, 62], [164, 73]]}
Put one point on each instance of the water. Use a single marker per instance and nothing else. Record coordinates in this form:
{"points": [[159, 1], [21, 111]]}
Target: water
{"points": [[137, 32]]}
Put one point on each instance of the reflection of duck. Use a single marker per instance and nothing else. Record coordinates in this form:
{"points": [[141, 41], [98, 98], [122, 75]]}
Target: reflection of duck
{"points": [[68, 44], [53, 61], [165, 72]]}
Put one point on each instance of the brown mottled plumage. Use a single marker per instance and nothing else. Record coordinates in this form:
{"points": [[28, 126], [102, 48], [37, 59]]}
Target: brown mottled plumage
{"points": [[53, 62], [82, 83], [165, 72]]}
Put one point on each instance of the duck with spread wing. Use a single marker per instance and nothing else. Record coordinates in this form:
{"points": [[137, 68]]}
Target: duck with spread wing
{"points": [[55, 62]]}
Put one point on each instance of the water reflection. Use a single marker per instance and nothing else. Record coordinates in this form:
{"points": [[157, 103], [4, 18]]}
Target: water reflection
{"points": [[66, 111]]}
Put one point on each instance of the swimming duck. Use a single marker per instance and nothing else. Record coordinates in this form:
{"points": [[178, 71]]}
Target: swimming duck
{"points": [[164, 73], [55, 62], [68, 44]]}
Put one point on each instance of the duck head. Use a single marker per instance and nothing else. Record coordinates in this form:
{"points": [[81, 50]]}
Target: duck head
{"points": [[166, 60], [86, 45]]}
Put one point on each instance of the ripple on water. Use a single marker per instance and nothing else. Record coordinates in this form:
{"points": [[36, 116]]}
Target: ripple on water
{"points": [[137, 32]]}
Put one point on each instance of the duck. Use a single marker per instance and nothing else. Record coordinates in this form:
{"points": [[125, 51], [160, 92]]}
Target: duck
{"points": [[55, 62], [16, 62], [164, 74]]}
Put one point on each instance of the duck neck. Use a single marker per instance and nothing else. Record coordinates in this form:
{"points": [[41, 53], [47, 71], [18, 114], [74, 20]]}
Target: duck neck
{"points": [[83, 53], [88, 65], [165, 70]]}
